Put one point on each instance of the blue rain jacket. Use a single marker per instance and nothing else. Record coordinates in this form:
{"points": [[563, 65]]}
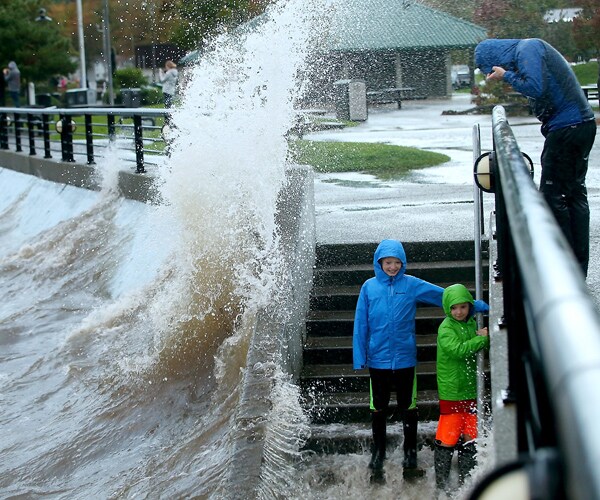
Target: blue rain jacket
{"points": [[384, 322], [538, 71]]}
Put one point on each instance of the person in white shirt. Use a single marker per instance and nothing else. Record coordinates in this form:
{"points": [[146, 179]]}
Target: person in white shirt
{"points": [[168, 78]]}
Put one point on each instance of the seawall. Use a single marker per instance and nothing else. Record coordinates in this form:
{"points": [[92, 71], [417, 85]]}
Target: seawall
{"points": [[275, 349]]}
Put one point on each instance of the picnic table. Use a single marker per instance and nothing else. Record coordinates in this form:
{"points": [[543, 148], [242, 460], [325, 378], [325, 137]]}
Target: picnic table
{"points": [[390, 95], [590, 91]]}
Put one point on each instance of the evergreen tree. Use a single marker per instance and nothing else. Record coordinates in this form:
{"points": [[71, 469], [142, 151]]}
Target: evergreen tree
{"points": [[38, 47], [202, 19], [586, 29]]}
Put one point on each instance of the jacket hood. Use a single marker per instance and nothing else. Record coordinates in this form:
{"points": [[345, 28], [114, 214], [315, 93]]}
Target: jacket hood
{"points": [[388, 248], [456, 294], [496, 52], [12, 65]]}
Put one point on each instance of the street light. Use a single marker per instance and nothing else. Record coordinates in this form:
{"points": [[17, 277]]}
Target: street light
{"points": [[83, 78], [108, 55], [43, 16]]}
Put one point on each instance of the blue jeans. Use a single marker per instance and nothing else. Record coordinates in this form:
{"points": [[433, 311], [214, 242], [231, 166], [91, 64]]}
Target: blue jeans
{"points": [[14, 95]]}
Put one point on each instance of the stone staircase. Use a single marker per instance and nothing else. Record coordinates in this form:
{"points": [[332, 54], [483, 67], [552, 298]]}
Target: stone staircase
{"points": [[337, 397]]}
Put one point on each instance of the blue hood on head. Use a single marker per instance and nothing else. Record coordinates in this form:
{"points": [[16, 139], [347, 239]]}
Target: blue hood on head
{"points": [[388, 248], [496, 52]]}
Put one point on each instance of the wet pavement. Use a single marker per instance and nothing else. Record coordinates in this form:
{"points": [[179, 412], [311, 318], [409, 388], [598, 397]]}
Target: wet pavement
{"points": [[435, 203], [430, 204]]}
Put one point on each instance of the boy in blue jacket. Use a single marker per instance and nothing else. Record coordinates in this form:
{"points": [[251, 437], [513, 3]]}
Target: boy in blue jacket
{"points": [[384, 342]]}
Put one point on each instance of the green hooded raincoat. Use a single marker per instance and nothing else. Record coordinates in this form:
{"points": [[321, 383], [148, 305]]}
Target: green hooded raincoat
{"points": [[457, 345]]}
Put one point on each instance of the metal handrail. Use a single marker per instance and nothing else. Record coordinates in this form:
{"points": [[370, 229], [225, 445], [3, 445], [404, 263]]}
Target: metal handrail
{"points": [[477, 233], [27, 119], [552, 324]]}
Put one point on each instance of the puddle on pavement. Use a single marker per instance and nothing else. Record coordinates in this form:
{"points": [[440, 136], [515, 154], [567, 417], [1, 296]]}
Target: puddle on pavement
{"points": [[354, 183]]}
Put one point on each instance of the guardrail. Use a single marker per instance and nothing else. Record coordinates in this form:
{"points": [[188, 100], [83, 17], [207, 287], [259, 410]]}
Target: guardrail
{"points": [[553, 331], [137, 131]]}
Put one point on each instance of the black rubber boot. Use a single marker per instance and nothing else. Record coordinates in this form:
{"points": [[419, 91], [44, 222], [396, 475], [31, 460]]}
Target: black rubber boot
{"points": [[409, 426], [467, 460], [442, 457], [379, 440], [409, 465], [378, 447]]}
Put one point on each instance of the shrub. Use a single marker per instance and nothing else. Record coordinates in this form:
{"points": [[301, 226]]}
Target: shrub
{"points": [[151, 95], [129, 78]]}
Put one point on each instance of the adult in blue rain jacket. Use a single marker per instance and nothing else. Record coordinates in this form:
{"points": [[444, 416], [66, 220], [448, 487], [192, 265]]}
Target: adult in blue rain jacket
{"points": [[537, 70], [384, 342]]}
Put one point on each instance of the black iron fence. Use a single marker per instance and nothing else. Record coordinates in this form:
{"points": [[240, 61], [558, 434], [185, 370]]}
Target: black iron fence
{"points": [[83, 134], [553, 331]]}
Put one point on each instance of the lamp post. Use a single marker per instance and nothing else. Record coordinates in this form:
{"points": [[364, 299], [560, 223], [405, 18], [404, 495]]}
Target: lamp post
{"points": [[83, 70], [108, 55], [43, 16], [149, 5]]}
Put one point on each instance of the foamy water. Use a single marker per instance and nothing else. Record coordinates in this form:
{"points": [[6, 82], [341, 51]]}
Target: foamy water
{"points": [[124, 326]]}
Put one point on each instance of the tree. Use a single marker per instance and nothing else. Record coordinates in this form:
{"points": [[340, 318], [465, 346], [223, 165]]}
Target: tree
{"points": [[202, 19], [511, 18], [38, 47], [586, 29], [463, 9]]}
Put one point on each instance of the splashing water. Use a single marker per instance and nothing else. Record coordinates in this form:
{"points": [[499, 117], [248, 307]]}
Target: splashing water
{"points": [[229, 157], [126, 327]]}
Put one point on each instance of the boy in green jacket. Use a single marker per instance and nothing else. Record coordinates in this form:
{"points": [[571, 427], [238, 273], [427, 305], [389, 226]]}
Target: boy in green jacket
{"points": [[457, 344]]}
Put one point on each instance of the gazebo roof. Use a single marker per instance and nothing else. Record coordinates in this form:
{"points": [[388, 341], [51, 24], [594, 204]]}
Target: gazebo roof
{"points": [[373, 25], [359, 25]]}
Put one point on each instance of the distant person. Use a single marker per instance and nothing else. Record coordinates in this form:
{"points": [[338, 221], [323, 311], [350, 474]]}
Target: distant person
{"points": [[538, 71], [12, 77], [384, 341], [168, 78], [458, 341]]}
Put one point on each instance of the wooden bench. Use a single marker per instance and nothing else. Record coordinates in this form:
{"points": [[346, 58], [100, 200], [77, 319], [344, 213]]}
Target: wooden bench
{"points": [[391, 95], [590, 91]]}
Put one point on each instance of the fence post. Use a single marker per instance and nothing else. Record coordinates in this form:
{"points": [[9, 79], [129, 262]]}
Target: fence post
{"points": [[3, 131], [139, 143], [89, 139], [31, 134], [110, 123], [46, 135], [17, 118], [66, 138]]}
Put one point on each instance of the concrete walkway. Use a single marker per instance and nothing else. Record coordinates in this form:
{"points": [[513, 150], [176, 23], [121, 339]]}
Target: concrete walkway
{"points": [[434, 203]]}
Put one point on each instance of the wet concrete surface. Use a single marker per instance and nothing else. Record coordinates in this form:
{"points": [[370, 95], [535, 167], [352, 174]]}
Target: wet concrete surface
{"points": [[434, 203]]}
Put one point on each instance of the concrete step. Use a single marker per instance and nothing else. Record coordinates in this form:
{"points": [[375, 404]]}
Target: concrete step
{"points": [[343, 296], [338, 350], [341, 323], [344, 407], [419, 251], [334, 393], [343, 378], [455, 271], [356, 438]]}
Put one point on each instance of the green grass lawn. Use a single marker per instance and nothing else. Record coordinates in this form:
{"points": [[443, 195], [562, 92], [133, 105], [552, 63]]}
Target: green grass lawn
{"points": [[382, 160], [587, 73]]}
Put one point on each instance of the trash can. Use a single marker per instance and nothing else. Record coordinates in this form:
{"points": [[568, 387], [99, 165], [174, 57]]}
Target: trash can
{"points": [[350, 98], [132, 98], [44, 100], [80, 97]]}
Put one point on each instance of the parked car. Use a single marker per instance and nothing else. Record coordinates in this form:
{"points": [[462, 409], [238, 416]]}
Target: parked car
{"points": [[461, 76]]}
